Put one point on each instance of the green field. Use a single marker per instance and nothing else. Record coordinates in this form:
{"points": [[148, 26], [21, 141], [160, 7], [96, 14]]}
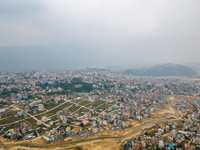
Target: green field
{"points": [[31, 121], [51, 105], [13, 126], [30, 112], [54, 118], [94, 115], [78, 100], [96, 103], [84, 102], [9, 113], [84, 110], [74, 108], [104, 106], [41, 131], [10, 120]]}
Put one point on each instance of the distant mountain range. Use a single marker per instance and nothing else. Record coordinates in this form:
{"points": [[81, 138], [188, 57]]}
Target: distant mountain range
{"points": [[55, 58], [46, 58], [163, 70]]}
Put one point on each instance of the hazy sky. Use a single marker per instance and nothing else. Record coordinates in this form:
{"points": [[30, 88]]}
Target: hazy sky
{"points": [[149, 31]]}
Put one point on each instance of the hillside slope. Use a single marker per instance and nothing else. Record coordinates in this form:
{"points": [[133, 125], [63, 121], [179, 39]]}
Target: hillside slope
{"points": [[162, 70]]}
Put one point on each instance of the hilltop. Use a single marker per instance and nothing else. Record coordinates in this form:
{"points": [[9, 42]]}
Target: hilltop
{"points": [[162, 70]]}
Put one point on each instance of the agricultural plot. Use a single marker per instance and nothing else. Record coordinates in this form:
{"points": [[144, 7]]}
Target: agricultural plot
{"points": [[94, 115], [96, 103], [54, 118], [85, 102], [12, 126], [31, 121], [104, 106], [78, 100], [51, 105], [9, 113], [82, 111], [74, 108], [10, 120]]}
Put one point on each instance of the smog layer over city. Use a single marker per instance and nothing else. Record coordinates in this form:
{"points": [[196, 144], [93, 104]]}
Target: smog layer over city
{"points": [[99, 74]]}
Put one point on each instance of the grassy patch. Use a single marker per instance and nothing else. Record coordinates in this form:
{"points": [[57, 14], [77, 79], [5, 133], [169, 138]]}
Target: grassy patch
{"points": [[9, 113], [104, 106], [94, 115], [165, 139], [96, 103], [84, 102], [82, 111], [51, 105], [13, 126], [41, 131], [78, 100], [151, 133], [10, 120], [66, 145], [74, 108], [30, 120], [54, 118]]}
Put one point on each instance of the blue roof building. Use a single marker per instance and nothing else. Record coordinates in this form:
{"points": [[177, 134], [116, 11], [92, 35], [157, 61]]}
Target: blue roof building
{"points": [[171, 146], [25, 97], [123, 144], [176, 138]]}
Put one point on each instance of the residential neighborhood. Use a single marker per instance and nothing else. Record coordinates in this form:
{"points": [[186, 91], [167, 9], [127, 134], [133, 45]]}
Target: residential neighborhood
{"points": [[83, 104]]}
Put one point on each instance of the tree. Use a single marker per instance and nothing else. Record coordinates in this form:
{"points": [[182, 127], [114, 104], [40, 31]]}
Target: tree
{"points": [[82, 124], [122, 99], [78, 148], [77, 80]]}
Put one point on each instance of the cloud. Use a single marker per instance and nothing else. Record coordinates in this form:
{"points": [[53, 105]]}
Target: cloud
{"points": [[132, 31], [20, 7]]}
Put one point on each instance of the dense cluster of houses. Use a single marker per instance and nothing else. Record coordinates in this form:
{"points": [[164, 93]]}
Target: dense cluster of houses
{"points": [[53, 135], [171, 135], [25, 130], [125, 98]]}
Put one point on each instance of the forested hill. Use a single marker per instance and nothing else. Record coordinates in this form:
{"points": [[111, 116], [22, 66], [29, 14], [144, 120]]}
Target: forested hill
{"points": [[163, 70]]}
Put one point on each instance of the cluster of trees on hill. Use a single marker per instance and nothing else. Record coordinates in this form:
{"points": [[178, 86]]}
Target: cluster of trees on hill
{"points": [[6, 93], [86, 87]]}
